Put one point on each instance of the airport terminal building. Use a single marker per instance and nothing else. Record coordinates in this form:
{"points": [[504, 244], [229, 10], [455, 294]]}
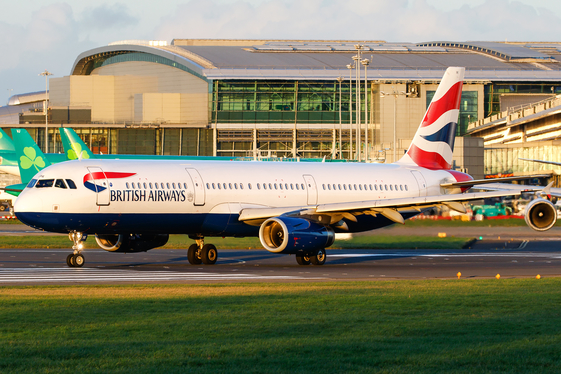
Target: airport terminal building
{"points": [[264, 98]]}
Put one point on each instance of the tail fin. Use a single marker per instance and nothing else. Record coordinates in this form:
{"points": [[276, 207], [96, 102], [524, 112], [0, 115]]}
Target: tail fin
{"points": [[6, 144], [74, 147], [433, 143], [31, 159]]}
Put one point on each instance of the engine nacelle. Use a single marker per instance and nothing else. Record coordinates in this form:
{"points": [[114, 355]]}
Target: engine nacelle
{"points": [[294, 235], [540, 214], [130, 243]]}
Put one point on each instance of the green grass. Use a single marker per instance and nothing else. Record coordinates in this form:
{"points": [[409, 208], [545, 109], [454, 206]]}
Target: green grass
{"points": [[183, 242], [437, 326]]}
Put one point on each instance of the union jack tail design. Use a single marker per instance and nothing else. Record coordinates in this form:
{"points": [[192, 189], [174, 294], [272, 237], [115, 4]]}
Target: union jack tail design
{"points": [[433, 143]]}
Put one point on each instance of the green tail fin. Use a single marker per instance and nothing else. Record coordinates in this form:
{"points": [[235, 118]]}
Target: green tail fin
{"points": [[74, 147], [31, 159], [6, 144]]}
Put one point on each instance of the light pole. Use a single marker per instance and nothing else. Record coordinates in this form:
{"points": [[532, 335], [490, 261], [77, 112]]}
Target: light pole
{"points": [[395, 94], [350, 67], [46, 74], [365, 63], [340, 80], [357, 59]]}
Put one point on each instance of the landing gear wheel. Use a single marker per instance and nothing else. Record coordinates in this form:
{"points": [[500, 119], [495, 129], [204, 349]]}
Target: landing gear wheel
{"points": [[319, 258], [78, 260], [303, 260], [70, 260], [209, 254], [192, 256]]}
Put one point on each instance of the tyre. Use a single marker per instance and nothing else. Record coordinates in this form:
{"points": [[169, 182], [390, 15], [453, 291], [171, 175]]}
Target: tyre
{"points": [[2, 208], [209, 254], [78, 260], [70, 260], [302, 260], [319, 258], [192, 255]]}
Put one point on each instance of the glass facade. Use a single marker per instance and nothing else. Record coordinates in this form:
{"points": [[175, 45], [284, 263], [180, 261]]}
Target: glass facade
{"points": [[507, 160], [187, 142], [493, 93], [280, 102]]}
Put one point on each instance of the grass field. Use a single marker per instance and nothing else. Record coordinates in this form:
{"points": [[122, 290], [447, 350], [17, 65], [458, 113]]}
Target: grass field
{"points": [[452, 326], [183, 242]]}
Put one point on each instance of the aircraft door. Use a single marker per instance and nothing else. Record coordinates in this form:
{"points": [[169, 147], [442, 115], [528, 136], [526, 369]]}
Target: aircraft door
{"points": [[198, 186], [420, 182], [311, 189], [98, 183]]}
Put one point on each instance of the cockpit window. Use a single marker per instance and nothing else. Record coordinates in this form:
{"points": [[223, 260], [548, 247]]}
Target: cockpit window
{"points": [[44, 183], [31, 183], [60, 183], [71, 184]]}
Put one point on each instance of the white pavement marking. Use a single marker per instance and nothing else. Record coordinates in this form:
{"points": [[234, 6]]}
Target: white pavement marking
{"points": [[553, 255], [53, 275]]}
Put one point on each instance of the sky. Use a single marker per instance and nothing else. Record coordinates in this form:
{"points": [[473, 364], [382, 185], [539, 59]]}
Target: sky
{"points": [[38, 35]]}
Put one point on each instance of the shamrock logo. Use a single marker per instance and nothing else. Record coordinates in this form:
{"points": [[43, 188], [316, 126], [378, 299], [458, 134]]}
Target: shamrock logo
{"points": [[77, 152], [30, 159]]}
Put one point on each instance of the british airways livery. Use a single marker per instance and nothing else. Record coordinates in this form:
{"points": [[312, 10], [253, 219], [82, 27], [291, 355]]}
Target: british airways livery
{"points": [[294, 208]]}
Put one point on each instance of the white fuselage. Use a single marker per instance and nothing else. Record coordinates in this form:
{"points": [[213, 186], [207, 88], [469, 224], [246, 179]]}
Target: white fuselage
{"points": [[206, 196]]}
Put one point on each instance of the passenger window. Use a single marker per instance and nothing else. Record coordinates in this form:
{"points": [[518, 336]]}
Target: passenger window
{"points": [[406, 188], [173, 185], [31, 183], [208, 186], [236, 186], [127, 184], [391, 187], [360, 187], [386, 186], [230, 185], [162, 185], [144, 184], [302, 185], [156, 185], [296, 186], [249, 186], [280, 186], [241, 186], [264, 186], [401, 187], [339, 186], [71, 184], [258, 186], [286, 186], [213, 186], [224, 185], [375, 187], [150, 185], [60, 183], [218, 184], [396, 187], [270, 186], [323, 185], [369, 186], [345, 187], [45, 183], [291, 186], [275, 186], [329, 187]]}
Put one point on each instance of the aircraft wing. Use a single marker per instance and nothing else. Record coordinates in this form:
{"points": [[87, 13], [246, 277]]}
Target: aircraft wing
{"points": [[389, 208], [519, 187]]}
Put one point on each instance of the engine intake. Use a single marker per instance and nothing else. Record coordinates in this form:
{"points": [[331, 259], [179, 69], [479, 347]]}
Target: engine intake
{"points": [[294, 235], [540, 214], [130, 243]]}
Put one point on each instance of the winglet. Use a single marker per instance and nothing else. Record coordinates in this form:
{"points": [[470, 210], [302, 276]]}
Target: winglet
{"points": [[74, 146], [30, 158]]}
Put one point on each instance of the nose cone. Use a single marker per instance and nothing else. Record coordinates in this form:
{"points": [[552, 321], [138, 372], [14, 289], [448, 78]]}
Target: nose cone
{"points": [[28, 208]]}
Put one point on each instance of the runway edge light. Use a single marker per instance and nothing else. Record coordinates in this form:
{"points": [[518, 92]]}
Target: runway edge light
{"points": [[459, 275], [538, 276]]}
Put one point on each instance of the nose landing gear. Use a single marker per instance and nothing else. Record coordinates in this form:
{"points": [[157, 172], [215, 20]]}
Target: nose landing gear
{"points": [[76, 259]]}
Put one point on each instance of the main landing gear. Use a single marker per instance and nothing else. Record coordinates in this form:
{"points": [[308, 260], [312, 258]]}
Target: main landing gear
{"points": [[316, 258], [76, 259], [201, 253]]}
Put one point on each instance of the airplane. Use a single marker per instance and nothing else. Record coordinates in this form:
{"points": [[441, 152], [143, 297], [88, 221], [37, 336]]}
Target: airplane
{"points": [[294, 208]]}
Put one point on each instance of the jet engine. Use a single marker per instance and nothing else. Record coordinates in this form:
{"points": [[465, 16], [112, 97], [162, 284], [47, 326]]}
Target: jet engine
{"points": [[294, 235], [130, 243], [540, 214]]}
